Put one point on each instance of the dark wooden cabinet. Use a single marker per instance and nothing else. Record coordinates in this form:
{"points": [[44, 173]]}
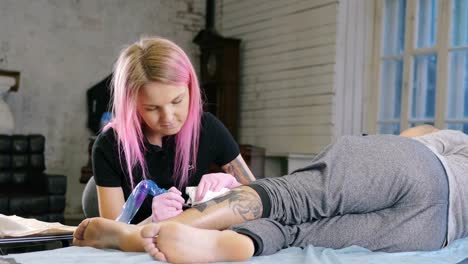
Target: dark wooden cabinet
{"points": [[255, 159], [219, 81]]}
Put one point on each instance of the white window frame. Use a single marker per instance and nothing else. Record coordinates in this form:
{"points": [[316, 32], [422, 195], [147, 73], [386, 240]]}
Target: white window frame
{"points": [[441, 48], [355, 29]]}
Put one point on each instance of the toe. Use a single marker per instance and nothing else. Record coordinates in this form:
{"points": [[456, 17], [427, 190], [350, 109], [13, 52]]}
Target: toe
{"points": [[80, 230], [77, 242], [153, 251], [149, 245], [160, 256], [150, 231]]}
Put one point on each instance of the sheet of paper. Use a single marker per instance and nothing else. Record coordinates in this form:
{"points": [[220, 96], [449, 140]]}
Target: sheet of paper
{"points": [[15, 226], [191, 191]]}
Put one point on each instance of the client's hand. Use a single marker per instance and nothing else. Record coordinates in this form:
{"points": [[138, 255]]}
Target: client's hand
{"points": [[215, 182], [167, 205]]}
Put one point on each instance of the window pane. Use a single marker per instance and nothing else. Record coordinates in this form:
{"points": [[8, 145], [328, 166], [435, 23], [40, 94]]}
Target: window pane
{"points": [[457, 101], [458, 126], [390, 128], [460, 23], [394, 27], [391, 83], [424, 84], [427, 23]]}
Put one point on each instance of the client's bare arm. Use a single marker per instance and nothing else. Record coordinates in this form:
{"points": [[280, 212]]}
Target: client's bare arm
{"points": [[418, 131]]}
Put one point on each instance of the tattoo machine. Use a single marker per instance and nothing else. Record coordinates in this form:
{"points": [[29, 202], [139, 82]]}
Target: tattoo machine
{"points": [[136, 198]]}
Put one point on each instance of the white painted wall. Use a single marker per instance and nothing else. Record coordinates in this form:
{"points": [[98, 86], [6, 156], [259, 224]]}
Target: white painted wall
{"points": [[63, 47], [287, 81]]}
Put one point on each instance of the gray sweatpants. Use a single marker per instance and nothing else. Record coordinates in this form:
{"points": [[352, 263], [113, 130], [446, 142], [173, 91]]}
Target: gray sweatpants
{"points": [[384, 193]]}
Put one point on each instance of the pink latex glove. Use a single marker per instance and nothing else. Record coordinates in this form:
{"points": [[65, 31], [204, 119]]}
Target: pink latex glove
{"points": [[167, 205], [215, 182]]}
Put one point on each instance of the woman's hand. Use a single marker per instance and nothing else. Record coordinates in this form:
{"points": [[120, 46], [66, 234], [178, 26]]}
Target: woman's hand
{"points": [[215, 182], [167, 205]]}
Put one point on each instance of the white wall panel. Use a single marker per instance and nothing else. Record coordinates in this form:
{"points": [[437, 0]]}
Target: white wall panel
{"points": [[288, 55]]}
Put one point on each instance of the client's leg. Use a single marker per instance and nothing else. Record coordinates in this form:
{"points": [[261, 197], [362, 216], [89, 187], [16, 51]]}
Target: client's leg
{"points": [[413, 227], [397, 204], [237, 206], [356, 175], [403, 228]]}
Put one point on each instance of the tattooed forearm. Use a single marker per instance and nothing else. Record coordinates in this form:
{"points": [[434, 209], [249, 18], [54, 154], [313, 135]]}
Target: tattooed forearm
{"points": [[239, 169], [243, 203]]}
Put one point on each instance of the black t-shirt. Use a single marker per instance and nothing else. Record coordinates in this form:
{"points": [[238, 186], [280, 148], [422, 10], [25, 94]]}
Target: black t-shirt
{"points": [[216, 146]]}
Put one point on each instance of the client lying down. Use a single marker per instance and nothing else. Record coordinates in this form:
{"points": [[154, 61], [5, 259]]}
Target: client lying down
{"points": [[382, 192]]}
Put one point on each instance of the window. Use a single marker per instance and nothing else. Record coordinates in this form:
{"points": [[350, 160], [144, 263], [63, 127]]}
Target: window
{"points": [[422, 64]]}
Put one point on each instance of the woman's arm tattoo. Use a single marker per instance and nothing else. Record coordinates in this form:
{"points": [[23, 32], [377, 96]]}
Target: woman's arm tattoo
{"points": [[245, 204], [239, 170]]}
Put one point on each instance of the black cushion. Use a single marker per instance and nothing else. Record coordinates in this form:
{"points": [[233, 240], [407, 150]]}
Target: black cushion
{"points": [[4, 207], [55, 217], [19, 161], [19, 176], [5, 176], [5, 144], [25, 190], [36, 143], [56, 184], [23, 205], [40, 217], [56, 203], [5, 161], [37, 162], [20, 144]]}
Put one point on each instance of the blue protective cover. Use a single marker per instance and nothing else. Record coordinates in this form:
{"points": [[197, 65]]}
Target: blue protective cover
{"points": [[457, 252]]}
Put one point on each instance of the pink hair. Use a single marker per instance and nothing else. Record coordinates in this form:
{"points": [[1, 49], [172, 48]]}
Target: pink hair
{"points": [[153, 60]]}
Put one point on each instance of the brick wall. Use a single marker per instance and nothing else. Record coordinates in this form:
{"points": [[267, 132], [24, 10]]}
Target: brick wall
{"points": [[63, 47]]}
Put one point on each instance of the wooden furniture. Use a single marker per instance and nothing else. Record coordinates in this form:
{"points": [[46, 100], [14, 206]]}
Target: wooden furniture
{"points": [[219, 77], [219, 74], [255, 159]]}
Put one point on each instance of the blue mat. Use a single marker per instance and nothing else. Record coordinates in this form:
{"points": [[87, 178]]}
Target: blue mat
{"points": [[455, 253]]}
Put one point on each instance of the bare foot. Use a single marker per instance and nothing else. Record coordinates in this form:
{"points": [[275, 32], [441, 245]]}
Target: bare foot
{"points": [[178, 243], [105, 233]]}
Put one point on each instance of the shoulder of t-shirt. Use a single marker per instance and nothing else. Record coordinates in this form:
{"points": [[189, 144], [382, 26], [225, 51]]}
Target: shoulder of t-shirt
{"points": [[446, 142], [209, 122], [448, 136], [208, 118], [106, 139]]}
